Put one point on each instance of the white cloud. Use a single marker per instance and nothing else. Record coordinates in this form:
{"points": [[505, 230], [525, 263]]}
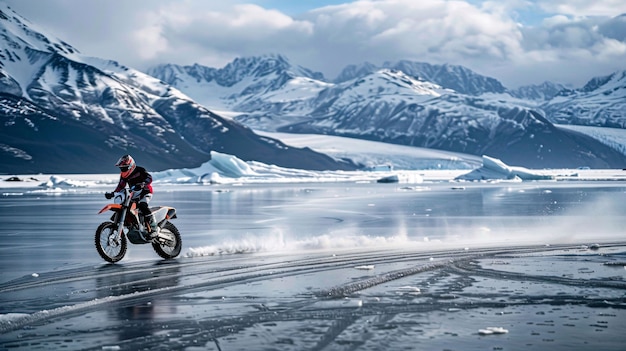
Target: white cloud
{"points": [[569, 50], [149, 42], [431, 30], [186, 34], [584, 8], [486, 36]]}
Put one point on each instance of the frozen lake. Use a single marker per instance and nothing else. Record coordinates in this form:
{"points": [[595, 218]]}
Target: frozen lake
{"points": [[339, 266]]}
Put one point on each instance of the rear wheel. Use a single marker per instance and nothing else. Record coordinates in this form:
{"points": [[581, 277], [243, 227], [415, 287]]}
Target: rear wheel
{"points": [[169, 243], [110, 246]]}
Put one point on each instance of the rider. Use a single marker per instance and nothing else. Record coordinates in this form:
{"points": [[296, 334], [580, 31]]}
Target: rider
{"points": [[136, 177]]}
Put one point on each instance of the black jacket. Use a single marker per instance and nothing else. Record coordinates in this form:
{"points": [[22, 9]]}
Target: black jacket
{"points": [[139, 175]]}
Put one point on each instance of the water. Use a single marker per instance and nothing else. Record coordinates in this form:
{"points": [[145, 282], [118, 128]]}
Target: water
{"points": [[272, 267]]}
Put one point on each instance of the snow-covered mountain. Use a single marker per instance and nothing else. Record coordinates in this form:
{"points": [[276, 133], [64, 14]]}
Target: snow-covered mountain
{"points": [[458, 78], [601, 102], [268, 83], [392, 107], [64, 112], [539, 93], [437, 106]]}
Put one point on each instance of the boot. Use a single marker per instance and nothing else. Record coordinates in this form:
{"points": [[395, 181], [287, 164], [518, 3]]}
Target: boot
{"points": [[154, 228]]}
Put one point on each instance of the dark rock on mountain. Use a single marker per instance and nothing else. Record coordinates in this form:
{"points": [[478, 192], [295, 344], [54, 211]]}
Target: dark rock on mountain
{"points": [[34, 141]]}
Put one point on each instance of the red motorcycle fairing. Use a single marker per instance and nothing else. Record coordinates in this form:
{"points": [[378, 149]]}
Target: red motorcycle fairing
{"points": [[112, 207], [130, 220], [116, 207]]}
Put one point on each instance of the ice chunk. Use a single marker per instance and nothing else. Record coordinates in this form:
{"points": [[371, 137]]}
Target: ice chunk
{"points": [[492, 330], [494, 169], [55, 182], [411, 290], [389, 179]]}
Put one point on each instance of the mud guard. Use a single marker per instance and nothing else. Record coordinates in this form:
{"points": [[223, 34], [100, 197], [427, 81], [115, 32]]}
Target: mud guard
{"points": [[163, 213]]}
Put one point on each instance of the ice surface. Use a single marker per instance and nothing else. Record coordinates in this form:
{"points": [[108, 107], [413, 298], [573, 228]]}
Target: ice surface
{"points": [[277, 258]]}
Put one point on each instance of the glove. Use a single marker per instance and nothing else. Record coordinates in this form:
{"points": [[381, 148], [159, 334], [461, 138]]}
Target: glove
{"points": [[108, 195]]}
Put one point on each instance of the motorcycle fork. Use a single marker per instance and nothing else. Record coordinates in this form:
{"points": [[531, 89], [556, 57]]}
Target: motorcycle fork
{"points": [[118, 218]]}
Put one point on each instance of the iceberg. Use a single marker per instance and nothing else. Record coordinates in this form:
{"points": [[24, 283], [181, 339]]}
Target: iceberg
{"points": [[213, 171], [58, 182], [495, 169], [225, 169]]}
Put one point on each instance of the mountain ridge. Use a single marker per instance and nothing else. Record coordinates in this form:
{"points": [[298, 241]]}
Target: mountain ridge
{"points": [[484, 108]]}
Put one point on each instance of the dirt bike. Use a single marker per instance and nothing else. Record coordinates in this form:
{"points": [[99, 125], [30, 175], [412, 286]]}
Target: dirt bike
{"points": [[127, 222]]}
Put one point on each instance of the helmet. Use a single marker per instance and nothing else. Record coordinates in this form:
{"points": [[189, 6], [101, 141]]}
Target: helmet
{"points": [[126, 164]]}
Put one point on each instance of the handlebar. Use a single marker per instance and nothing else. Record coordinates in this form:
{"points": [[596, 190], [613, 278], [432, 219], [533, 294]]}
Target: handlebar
{"points": [[135, 188]]}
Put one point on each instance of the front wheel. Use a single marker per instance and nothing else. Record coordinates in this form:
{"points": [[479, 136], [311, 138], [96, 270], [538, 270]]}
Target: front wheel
{"points": [[169, 243], [110, 245]]}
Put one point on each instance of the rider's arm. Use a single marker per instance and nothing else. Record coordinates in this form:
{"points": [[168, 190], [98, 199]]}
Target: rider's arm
{"points": [[120, 185], [148, 179]]}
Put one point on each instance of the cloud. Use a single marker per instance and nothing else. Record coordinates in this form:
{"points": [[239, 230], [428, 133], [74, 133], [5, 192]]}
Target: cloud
{"points": [[485, 37], [571, 41], [565, 47], [614, 28], [584, 8], [430, 30], [187, 33]]}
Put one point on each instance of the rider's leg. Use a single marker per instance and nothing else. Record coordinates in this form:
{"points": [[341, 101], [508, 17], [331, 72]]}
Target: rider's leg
{"points": [[147, 214]]}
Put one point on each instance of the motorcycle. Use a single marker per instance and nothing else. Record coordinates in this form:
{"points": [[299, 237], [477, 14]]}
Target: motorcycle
{"points": [[127, 222]]}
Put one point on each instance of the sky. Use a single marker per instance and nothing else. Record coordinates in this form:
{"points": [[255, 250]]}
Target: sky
{"points": [[518, 42]]}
